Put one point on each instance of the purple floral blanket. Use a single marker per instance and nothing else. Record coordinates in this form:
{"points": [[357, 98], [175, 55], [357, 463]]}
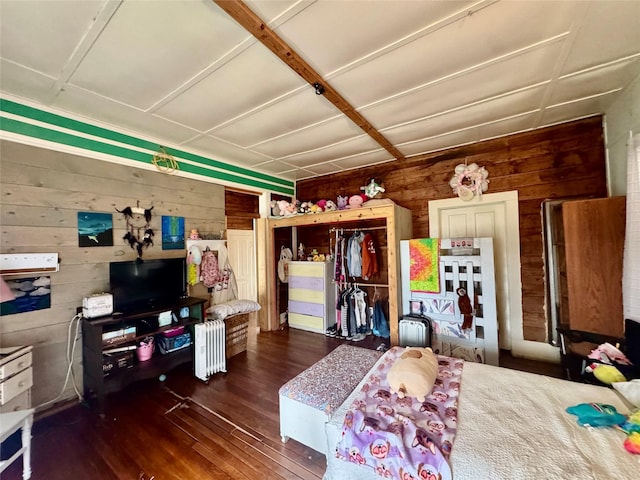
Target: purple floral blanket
{"points": [[403, 438]]}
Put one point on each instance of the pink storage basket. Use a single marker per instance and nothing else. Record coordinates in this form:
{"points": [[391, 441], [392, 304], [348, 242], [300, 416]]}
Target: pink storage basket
{"points": [[145, 349]]}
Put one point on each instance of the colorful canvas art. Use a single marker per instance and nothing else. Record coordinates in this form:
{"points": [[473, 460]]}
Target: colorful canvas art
{"points": [[172, 233], [95, 229], [424, 269], [30, 294]]}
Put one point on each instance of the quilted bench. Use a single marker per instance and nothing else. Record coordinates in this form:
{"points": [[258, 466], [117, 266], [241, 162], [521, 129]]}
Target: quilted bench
{"points": [[308, 400]]}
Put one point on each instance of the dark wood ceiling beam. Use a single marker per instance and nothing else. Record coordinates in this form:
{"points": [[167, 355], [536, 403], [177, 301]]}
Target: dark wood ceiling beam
{"points": [[242, 14]]}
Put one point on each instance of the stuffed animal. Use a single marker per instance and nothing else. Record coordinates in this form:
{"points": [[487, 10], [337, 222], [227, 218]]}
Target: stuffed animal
{"points": [[282, 207], [605, 373], [275, 208], [304, 207], [315, 208], [372, 189], [194, 235], [330, 206], [414, 373], [322, 204], [292, 208], [194, 259], [356, 201], [342, 202], [632, 428]]}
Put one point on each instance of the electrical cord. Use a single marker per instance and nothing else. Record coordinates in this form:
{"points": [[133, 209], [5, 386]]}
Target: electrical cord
{"points": [[71, 347]]}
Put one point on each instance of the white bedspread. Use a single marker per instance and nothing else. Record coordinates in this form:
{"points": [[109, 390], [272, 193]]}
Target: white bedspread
{"points": [[513, 425]]}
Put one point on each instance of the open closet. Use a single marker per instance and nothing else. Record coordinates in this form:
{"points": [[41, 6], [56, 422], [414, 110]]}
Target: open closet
{"points": [[388, 223]]}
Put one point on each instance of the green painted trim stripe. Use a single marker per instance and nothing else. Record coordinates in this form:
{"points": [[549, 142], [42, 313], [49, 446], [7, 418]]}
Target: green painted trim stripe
{"points": [[75, 125], [36, 131]]}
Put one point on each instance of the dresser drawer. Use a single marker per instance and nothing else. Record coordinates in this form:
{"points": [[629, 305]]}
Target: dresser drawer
{"points": [[15, 385], [303, 295], [15, 365], [306, 308], [307, 269], [306, 322], [20, 402]]}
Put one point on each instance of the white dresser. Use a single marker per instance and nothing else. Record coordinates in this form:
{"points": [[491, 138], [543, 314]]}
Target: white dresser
{"points": [[16, 378], [312, 304]]}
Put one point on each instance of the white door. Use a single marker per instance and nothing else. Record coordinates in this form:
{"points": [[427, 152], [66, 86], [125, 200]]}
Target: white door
{"points": [[494, 215], [242, 256]]}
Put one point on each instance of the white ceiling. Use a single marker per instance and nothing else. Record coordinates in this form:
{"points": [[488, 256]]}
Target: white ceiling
{"points": [[427, 75]]}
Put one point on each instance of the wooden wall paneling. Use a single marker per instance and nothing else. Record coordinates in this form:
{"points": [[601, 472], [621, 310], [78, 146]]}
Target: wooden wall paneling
{"points": [[42, 193], [594, 242], [556, 162], [241, 209]]}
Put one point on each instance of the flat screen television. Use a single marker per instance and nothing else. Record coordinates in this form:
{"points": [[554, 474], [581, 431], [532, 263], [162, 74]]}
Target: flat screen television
{"points": [[144, 284]]}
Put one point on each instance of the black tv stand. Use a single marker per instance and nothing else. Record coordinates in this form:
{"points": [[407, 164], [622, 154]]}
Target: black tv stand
{"points": [[97, 382]]}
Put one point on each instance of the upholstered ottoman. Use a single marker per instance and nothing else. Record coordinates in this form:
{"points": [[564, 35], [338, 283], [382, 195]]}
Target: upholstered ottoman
{"points": [[308, 400]]}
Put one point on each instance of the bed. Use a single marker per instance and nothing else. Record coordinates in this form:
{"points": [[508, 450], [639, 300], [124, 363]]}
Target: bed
{"points": [[513, 425]]}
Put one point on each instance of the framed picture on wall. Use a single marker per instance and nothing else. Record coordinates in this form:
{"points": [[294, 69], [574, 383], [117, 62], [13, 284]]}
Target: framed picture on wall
{"points": [[172, 233], [95, 229]]}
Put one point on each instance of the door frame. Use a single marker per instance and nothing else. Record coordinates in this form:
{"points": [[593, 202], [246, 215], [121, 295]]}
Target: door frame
{"points": [[517, 344]]}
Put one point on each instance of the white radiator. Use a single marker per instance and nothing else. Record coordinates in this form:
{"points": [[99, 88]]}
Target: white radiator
{"points": [[210, 349]]}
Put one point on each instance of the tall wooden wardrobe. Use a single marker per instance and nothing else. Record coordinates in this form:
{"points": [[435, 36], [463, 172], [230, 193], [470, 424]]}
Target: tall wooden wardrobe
{"points": [[397, 224]]}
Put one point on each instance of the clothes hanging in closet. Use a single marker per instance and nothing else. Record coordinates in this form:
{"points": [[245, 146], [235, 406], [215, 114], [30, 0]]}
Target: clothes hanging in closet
{"points": [[369, 257], [354, 254]]}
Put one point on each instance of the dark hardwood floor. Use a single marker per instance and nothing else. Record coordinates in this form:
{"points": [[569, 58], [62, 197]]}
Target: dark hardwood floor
{"points": [[184, 429]]}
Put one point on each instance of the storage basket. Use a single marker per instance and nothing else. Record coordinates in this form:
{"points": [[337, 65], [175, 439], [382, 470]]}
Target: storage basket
{"points": [[237, 329], [145, 349]]}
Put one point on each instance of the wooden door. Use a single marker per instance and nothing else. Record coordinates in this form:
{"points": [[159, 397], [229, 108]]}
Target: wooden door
{"points": [[487, 218], [242, 256], [594, 242]]}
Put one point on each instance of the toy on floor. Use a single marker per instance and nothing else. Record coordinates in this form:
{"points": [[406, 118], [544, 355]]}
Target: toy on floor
{"points": [[603, 415]]}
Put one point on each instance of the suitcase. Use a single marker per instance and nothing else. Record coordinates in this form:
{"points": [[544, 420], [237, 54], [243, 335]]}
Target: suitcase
{"points": [[415, 331]]}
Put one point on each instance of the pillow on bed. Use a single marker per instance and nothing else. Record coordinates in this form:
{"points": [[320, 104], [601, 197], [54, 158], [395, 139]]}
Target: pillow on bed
{"points": [[414, 373], [629, 390]]}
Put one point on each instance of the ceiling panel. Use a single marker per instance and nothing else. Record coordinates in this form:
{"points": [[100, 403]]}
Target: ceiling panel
{"points": [[349, 36], [501, 78], [335, 153], [86, 103], [43, 34], [25, 82], [576, 109], [364, 160], [517, 123], [294, 112], [486, 36], [225, 151], [334, 131], [595, 81], [143, 54], [439, 142], [246, 82], [609, 31], [418, 76], [478, 114]]}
